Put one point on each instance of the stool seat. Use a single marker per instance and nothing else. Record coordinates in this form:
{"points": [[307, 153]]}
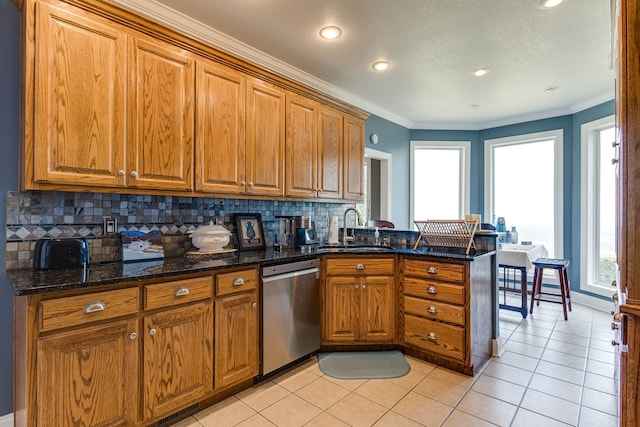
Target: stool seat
{"points": [[560, 265]]}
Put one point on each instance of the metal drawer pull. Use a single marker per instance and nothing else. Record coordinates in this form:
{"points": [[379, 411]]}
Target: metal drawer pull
{"points": [[94, 306], [357, 286], [432, 310], [238, 282], [359, 266], [133, 336], [254, 305], [432, 270], [152, 332], [432, 290], [432, 336], [364, 286], [182, 291]]}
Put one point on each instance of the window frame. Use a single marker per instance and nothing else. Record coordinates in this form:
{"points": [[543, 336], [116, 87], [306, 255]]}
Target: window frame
{"points": [[557, 135], [464, 148], [589, 177]]}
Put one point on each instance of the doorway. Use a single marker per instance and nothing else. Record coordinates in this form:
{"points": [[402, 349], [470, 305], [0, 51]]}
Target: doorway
{"points": [[377, 185]]}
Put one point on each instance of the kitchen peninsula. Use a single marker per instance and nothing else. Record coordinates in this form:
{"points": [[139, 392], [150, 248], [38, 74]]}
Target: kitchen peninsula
{"points": [[112, 322]]}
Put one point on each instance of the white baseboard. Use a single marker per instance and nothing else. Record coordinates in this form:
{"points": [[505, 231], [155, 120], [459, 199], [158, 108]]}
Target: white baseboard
{"points": [[6, 420], [592, 302]]}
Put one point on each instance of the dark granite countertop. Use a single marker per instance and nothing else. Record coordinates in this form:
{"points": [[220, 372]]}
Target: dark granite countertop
{"points": [[28, 281]]}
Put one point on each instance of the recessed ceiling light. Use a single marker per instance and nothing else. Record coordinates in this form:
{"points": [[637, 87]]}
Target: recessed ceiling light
{"points": [[480, 72], [380, 65], [551, 3], [551, 89], [331, 32]]}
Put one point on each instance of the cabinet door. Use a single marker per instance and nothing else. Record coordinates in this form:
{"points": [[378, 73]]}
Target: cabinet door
{"points": [[89, 376], [264, 139], [220, 157], [330, 134], [79, 111], [353, 158], [236, 355], [301, 161], [342, 309], [377, 302], [161, 102], [178, 358]]}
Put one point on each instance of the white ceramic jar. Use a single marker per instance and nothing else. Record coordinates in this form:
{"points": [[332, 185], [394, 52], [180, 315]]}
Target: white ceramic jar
{"points": [[210, 238]]}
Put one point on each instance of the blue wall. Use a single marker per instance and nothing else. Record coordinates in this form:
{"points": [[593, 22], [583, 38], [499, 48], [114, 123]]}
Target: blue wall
{"points": [[570, 125], [393, 139], [10, 83]]}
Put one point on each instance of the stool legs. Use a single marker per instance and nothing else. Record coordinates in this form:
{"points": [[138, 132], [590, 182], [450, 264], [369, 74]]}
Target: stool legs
{"points": [[536, 291]]}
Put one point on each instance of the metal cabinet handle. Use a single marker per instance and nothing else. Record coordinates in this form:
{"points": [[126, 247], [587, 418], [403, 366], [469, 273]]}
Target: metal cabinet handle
{"points": [[243, 183], [432, 336], [182, 291], [614, 297], [432, 270], [614, 283], [432, 309], [617, 317], [134, 174], [254, 305], [614, 343], [357, 286], [364, 286], [121, 172], [152, 332], [432, 290], [250, 184], [614, 326], [614, 144], [614, 161], [133, 336], [94, 306], [238, 282], [360, 267]]}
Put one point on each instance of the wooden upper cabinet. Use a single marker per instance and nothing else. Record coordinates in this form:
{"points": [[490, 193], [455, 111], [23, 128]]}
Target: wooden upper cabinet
{"points": [[330, 153], [301, 161], [265, 137], [353, 158], [161, 102], [220, 124], [79, 93]]}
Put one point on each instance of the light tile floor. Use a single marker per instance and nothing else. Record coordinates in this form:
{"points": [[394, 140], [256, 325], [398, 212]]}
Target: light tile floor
{"points": [[553, 373]]}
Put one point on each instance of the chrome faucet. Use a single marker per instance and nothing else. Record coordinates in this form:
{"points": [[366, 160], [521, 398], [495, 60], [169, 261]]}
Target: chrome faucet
{"points": [[344, 224]]}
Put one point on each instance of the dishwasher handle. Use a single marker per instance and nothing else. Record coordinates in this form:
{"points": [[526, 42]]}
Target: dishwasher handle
{"points": [[315, 271]]}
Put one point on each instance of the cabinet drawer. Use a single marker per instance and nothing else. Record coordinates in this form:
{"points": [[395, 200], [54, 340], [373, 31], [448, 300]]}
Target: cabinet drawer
{"points": [[237, 281], [434, 290], [447, 340], [177, 292], [434, 310], [434, 270], [70, 311], [350, 266]]}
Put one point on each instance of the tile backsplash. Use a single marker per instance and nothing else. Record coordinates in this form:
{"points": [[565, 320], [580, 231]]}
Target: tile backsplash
{"points": [[36, 214]]}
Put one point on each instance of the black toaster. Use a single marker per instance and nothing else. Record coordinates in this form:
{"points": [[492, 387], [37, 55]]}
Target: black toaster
{"points": [[61, 253]]}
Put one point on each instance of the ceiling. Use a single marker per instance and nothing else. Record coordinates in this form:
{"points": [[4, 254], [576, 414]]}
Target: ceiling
{"points": [[432, 45]]}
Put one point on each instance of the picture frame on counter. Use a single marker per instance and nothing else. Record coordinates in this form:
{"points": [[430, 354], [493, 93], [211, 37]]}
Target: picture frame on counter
{"points": [[250, 232]]}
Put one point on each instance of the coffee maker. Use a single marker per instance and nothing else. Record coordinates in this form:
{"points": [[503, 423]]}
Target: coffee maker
{"points": [[305, 231], [285, 233]]}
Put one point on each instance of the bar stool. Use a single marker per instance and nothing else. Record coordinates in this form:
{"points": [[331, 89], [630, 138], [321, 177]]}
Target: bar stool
{"points": [[560, 265]]}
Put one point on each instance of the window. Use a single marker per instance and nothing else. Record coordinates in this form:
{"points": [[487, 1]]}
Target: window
{"points": [[523, 184], [598, 213], [440, 182]]}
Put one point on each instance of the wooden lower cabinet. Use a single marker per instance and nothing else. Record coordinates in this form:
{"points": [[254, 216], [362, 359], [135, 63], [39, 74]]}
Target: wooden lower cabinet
{"points": [[236, 337], [88, 376], [178, 358], [359, 307], [446, 311]]}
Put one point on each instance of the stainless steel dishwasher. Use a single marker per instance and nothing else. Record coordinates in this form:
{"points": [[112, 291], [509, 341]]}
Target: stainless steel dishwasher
{"points": [[290, 313]]}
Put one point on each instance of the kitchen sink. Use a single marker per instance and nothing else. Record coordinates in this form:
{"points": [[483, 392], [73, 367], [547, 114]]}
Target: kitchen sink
{"points": [[355, 248]]}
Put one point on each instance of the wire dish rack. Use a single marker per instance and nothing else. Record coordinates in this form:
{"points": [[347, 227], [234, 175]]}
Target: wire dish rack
{"points": [[447, 233]]}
